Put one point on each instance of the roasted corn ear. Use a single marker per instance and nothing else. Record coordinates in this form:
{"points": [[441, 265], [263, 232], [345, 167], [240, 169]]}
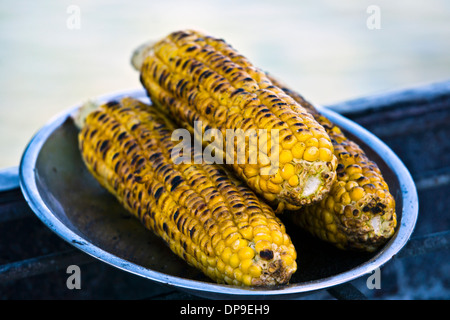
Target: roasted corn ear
{"points": [[359, 212], [196, 78], [204, 214]]}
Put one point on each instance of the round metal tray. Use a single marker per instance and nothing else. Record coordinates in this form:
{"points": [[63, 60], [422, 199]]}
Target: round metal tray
{"points": [[67, 199]]}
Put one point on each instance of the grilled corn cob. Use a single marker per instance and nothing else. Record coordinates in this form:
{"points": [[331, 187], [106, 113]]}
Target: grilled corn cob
{"points": [[359, 212], [205, 215], [195, 77]]}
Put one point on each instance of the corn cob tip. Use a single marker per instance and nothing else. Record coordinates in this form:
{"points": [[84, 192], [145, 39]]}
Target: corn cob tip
{"points": [[79, 117], [139, 54]]}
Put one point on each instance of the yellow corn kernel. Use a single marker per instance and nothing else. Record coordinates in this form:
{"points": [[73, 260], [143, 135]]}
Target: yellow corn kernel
{"points": [[255, 271], [263, 244], [277, 178], [277, 237], [356, 193], [325, 143], [260, 229], [239, 243], [285, 156], [325, 154], [269, 196], [311, 154], [288, 142], [263, 185], [246, 232], [350, 185], [238, 275], [298, 149], [226, 254], [345, 199], [293, 181], [246, 264], [220, 266], [380, 193], [304, 135], [287, 171], [232, 238], [247, 280], [288, 260], [251, 171], [246, 253], [313, 142], [234, 260], [273, 188], [353, 169]]}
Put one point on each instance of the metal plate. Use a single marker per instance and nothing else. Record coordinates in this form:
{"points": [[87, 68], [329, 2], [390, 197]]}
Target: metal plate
{"points": [[64, 195]]}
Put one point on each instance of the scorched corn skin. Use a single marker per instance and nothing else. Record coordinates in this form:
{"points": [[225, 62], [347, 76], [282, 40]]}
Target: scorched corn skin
{"points": [[205, 215], [359, 212], [193, 77]]}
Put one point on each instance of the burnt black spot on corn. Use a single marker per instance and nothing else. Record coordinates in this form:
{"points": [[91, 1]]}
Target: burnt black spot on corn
{"points": [[199, 210], [195, 77], [359, 212]]}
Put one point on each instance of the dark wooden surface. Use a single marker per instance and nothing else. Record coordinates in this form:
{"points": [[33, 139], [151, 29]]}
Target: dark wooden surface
{"points": [[415, 123]]}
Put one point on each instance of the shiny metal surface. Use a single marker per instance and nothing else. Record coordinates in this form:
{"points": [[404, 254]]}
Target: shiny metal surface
{"points": [[71, 203]]}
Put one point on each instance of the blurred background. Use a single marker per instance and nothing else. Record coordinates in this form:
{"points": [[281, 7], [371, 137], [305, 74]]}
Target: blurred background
{"points": [[55, 54]]}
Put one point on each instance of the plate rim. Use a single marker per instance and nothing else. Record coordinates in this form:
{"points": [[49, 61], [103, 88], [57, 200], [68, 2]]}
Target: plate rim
{"points": [[28, 185]]}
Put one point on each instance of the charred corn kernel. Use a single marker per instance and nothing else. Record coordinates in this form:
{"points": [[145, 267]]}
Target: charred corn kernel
{"points": [[201, 211], [192, 77], [304, 135], [355, 176], [289, 141], [353, 169], [359, 201], [293, 181]]}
